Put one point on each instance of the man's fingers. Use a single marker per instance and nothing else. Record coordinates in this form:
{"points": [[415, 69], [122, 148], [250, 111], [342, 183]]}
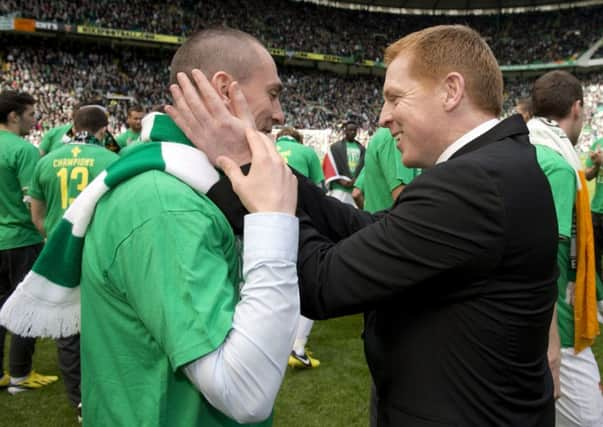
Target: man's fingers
{"points": [[239, 105], [230, 168], [180, 112], [176, 117], [215, 105], [180, 103], [192, 98], [270, 146], [257, 145]]}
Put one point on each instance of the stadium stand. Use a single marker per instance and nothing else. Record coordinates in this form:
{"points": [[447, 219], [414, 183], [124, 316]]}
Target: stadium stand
{"points": [[515, 39], [59, 76], [60, 72]]}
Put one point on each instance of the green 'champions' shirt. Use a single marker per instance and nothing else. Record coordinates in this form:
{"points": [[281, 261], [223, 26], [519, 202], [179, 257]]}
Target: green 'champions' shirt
{"points": [[383, 171], [17, 162], [301, 158], [127, 137], [596, 204], [160, 281], [562, 179], [61, 176], [55, 138]]}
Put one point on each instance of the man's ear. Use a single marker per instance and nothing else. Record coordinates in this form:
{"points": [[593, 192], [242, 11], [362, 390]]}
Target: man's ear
{"points": [[454, 90], [221, 82], [576, 110], [12, 117]]}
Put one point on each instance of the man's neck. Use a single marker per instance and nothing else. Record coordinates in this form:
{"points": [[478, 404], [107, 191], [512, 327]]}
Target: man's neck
{"points": [[566, 125], [477, 129], [9, 128], [465, 123]]}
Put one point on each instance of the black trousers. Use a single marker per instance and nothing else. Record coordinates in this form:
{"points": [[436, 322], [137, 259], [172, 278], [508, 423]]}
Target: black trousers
{"points": [[69, 364], [598, 235], [14, 265], [373, 406]]}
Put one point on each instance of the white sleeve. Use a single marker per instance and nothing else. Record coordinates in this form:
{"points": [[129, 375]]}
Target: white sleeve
{"points": [[241, 378]]}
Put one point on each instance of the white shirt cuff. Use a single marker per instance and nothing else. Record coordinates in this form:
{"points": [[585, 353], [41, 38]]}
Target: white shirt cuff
{"points": [[270, 235]]}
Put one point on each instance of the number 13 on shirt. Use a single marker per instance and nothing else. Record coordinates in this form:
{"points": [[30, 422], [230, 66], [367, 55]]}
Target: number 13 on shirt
{"points": [[78, 176]]}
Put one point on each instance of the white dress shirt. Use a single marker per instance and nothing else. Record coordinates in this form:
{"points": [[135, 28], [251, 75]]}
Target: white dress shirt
{"points": [[466, 139]]}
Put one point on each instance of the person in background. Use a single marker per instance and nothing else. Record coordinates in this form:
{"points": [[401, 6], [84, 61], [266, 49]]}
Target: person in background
{"points": [[342, 164], [289, 144], [554, 130], [384, 175], [134, 122], [20, 242], [59, 177], [524, 107]]}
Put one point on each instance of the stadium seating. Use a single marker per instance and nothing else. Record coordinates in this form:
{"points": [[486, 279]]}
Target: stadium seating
{"points": [[515, 39]]}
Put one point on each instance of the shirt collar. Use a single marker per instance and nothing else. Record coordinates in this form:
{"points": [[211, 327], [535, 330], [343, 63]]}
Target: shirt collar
{"points": [[466, 139]]}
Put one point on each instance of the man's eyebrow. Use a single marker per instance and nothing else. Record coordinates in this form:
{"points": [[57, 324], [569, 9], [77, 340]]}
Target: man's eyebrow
{"points": [[388, 93], [276, 86]]}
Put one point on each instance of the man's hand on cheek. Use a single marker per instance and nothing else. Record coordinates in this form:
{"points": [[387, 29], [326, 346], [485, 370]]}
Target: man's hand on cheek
{"points": [[205, 119]]}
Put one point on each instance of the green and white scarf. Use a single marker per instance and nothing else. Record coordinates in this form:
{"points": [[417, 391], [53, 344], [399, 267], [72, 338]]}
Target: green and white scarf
{"points": [[47, 302]]}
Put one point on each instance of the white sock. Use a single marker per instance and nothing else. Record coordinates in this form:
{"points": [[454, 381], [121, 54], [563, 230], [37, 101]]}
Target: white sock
{"points": [[299, 346], [304, 327], [15, 380]]}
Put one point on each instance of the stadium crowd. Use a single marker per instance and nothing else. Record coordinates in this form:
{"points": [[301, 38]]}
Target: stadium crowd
{"points": [[550, 36], [59, 77]]}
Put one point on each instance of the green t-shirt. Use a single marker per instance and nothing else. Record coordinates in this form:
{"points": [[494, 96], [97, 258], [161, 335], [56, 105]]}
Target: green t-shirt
{"points": [[353, 153], [127, 138], [160, 280], [55, 138], [61, 176], [596, 204], [383, 171], [301, 158], [17, 162], [562, 180]]}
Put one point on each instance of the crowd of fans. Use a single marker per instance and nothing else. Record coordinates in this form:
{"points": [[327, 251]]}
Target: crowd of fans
{"points": [[515, 39], [59, 76]]}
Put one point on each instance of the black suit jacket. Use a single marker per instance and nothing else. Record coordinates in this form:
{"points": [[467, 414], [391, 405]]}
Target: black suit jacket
{"points": [[458, 283]]}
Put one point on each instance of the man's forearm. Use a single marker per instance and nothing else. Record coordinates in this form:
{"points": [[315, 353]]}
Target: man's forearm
{"points": [[554, 353], [332, 218], [38, 213], [242, 377]]}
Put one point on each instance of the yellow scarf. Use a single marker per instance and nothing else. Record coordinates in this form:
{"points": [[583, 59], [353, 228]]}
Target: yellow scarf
{"points": [[586, 325]]}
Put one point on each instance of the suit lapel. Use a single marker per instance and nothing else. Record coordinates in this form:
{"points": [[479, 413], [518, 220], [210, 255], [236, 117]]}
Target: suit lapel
{"points": [[512, 126]]}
